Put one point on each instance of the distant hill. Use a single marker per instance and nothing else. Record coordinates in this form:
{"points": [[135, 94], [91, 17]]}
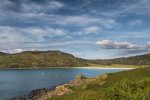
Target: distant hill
{"points": [[135, 60], [33, 59], [2, 53], [41, 59]]}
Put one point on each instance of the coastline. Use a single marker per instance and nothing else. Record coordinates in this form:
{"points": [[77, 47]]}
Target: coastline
{"points": [[104, 67], [62, 89], [39, 94], [90, 67]]}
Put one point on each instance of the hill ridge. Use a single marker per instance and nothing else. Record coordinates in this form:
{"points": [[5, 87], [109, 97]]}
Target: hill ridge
{"points": [[55, 58]]}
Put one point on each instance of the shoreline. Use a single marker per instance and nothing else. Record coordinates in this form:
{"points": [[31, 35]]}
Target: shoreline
{"points": [[38, 68], [104, 67], [50, 92], [58, 90]]}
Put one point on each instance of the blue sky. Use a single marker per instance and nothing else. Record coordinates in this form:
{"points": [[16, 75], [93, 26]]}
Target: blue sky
{"points": [[85, 28]]}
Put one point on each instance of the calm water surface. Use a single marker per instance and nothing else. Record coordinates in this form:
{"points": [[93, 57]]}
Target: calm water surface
{"points": [[20, 82]]}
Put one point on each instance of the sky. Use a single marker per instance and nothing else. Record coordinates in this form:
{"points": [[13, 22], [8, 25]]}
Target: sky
{"points": [[91, 29]]}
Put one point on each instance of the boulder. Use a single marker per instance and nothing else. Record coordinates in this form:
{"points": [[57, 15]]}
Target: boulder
{"points": [[80, 77]]}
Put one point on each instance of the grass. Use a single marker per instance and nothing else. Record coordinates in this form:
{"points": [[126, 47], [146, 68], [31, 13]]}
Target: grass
{"points": [[126, 85], [119, 66], [129, 90]]}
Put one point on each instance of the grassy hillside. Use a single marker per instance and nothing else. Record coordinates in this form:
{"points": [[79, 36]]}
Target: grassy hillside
{"points": [[30, 59], [135, 60], [41, 59], [126, 85]]}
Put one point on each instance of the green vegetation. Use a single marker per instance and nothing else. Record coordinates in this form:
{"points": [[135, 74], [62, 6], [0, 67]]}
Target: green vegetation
{"points": [[126, 85], [130, 90], [141, 60], [44, 59], [39, 59]]}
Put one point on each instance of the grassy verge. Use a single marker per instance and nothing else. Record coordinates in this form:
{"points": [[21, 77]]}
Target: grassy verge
{"points": [[126, 85], [119, 66]]}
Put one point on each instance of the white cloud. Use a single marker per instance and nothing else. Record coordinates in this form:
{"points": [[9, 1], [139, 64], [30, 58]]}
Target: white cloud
{"points": [[17, 39], [89, 30], [55, 5], [81, 20], [93, 29], [109, 44], [17, 50], [11, 51], [147, 45], [32, 7], [124, 48], [36, 34], [10, 34], [46, 31]]}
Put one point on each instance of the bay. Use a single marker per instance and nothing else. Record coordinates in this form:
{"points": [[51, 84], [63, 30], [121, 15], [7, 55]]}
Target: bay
{"points": [[20, 82]]}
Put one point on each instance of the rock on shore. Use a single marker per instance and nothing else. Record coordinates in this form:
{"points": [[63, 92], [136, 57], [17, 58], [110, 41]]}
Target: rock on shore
{"points": [[44, 94]]}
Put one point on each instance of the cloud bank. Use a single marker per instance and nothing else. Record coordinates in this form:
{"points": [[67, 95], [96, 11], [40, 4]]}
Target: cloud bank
{"points": [[124, 48]]}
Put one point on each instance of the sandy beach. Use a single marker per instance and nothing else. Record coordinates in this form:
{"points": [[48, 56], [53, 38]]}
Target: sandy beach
{"points": [[104, 67]]}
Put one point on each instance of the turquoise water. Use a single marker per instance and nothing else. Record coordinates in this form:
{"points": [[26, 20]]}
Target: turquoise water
{"points": [[20, 82]]}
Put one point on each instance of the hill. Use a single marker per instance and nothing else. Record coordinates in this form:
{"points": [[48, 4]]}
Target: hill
{"points": [[42, 59], [135, 60], [2, 53], [36, 59]]}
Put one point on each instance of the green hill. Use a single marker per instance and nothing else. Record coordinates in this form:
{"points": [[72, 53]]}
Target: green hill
{"points": [[42, 59], [36, 59], [135, 60]]}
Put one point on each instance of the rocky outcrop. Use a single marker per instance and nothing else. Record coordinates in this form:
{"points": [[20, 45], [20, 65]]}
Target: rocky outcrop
{"points": [[60, 90], [44, 94], [80, 77], [34, 95]]}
